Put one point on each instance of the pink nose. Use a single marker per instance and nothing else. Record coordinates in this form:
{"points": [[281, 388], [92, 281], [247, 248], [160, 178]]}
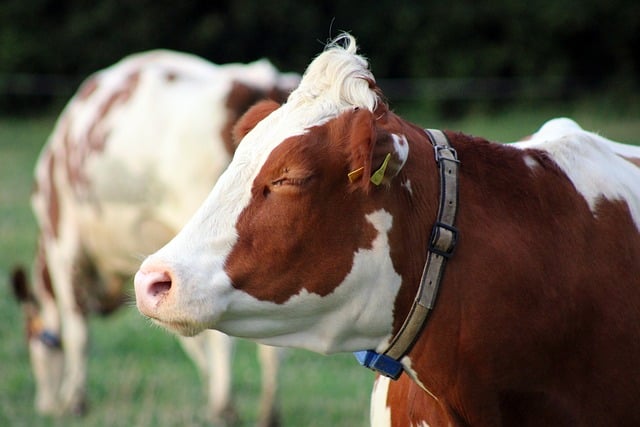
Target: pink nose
{"points": [[151, 288]]}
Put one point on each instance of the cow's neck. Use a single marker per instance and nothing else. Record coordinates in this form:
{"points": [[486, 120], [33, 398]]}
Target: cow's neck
{"points": [[441, 244]]}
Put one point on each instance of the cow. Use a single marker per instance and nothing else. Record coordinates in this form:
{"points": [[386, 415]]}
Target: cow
{"points": [[500, 285], [399, 395], [131, 157]]}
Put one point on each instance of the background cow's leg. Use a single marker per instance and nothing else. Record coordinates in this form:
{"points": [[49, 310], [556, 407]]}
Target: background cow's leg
{"points": [[48, 365], [212, 351], [62, 256], [269, 358], [220, 351], [196, 350], [47, 358], [75, 341]]}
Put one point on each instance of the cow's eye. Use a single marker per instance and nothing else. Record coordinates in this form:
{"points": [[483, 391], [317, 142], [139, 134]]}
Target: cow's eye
{"points": [[288, 181], [288, 184]]}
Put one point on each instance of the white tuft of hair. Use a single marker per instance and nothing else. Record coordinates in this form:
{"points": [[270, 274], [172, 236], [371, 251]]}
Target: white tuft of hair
{"points": [[337, 79]]}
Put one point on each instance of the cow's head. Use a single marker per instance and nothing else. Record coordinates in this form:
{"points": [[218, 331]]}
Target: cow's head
{"points": [[292, 243]]}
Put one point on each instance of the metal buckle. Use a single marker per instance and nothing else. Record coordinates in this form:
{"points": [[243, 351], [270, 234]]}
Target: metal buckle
{"points": [[439, 157], [435, 237]]}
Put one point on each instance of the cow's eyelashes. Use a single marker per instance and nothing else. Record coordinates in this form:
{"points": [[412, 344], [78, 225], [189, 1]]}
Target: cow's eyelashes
{"points": [[288, 181], [286, 185]]}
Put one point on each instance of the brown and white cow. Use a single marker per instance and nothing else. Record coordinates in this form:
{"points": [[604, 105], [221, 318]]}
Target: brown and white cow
{"points": [[537, 314], [132, 156], [407, 399]]}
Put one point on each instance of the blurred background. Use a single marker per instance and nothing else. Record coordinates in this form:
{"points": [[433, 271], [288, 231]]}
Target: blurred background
{"points": [[455, 53], [497, 69]]}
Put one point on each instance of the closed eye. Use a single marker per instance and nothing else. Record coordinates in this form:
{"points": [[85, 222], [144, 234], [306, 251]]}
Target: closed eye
{"points": [[289, 181], [287, 185]]}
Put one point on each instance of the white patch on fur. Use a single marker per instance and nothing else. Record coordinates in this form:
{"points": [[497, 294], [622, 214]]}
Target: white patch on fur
{"points": [[407, 184], [593, 163], [406, 362], [401, 146], [379, 412], [531, 162]]}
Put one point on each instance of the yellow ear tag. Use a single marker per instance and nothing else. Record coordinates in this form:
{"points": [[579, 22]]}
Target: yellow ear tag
{"points": [[355, 174], [378, 175]]}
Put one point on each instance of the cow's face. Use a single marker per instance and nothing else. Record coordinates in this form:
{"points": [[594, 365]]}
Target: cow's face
{"points": [[286, 248]]}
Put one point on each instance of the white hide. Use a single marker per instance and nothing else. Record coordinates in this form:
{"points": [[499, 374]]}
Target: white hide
{"points": [[379, 412]]}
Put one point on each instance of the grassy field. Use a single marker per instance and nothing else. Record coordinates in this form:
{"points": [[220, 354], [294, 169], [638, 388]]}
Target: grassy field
{"points": [[139, 375]]}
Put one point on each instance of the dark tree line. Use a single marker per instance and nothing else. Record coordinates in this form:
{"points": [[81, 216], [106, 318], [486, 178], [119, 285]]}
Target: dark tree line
{"points": [[591, 43]]}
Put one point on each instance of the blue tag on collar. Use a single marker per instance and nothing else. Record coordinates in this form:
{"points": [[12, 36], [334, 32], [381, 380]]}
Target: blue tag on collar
{"points": [[385, 365]]}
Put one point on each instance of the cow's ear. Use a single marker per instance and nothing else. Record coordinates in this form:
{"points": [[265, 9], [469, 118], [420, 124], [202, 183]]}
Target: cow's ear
{"points": [[252, 117], [389, 155], [377, 154]]}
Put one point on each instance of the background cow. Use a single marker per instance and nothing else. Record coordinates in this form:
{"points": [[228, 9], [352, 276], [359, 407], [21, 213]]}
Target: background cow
{"points": [[317, 235], [132, 156]]}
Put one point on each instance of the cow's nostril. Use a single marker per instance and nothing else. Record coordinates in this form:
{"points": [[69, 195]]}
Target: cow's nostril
{"points": [[152, 285], [159, 288]]}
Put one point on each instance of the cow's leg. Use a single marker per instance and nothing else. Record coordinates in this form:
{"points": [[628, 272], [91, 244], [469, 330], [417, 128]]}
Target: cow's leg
{"points": [[196, 349], [269, 358], [62, 262], [75, 336], [47, 365], [47, 361], [45, 352], [212, 351], [220, 377]]}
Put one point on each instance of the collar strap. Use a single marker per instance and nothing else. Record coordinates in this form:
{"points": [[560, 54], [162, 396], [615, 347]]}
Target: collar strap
{"points": [[442, 242]]}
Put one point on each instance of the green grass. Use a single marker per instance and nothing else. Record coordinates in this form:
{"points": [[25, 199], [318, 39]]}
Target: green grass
{"points": [[138, 374]]}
